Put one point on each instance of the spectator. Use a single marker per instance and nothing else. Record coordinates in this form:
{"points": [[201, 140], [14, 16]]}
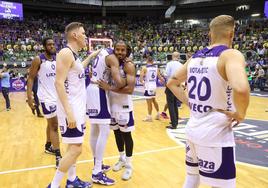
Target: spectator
{"points": [[5, 83]]}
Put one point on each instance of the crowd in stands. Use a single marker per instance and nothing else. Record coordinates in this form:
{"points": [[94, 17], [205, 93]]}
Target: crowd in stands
{"points": [[21, 40]]}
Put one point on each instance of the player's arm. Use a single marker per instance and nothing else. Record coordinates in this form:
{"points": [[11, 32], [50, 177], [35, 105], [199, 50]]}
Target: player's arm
{"points": [[32, 74], [91, 56], [131, 79], [175, 83], [160, 77], [64, 61], [234, 64], [142, 74], [113, 63]]}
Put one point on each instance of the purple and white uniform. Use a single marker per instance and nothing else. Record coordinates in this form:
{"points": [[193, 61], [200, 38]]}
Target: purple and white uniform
{"points": [[98, 104], [210, 140], [121, 108], [150, 81], [46, 89], [76, 92]]}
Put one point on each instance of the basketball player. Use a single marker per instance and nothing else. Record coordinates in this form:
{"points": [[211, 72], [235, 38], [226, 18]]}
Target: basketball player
{"points": [[218, 93], [71, 106], [44, 68], [151, 72], [106, 68], [122, 109]]}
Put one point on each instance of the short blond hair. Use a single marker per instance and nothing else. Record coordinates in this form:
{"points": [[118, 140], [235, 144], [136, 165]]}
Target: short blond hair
{"points": [[72, 26], [221, 23]]}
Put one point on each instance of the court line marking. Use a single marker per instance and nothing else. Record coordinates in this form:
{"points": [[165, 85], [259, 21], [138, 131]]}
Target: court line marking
{"points": [[90, 160], [251, 165], [116, 156]]}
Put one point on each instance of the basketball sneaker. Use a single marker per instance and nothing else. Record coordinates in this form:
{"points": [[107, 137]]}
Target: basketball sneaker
{"points": [[105, 168], [101, 178], [164, 115], [50, 150], [49, 186], [77, 183], [127, 174], [148, 119], [119, 165]]}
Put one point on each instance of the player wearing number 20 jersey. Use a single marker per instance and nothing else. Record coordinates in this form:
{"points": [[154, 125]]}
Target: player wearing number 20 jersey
{"points": [[218, 93], [210, 139], [207, 90]]}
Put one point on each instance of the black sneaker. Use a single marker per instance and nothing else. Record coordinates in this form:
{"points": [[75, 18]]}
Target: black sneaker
{"points": [[50, 150], [58, 158], [171, 127]]}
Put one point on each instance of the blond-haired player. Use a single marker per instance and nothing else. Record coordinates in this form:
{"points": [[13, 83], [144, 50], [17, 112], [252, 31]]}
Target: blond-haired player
{"points": [[218, 94]]}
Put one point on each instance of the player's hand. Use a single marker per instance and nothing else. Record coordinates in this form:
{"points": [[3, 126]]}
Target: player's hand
{"points": [[162, 81], [234, 117], [71, 123], [103, 85], [95, 53], [30, 102]]}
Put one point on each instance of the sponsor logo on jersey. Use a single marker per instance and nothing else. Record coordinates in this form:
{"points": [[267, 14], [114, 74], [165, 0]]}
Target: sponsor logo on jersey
{"points": [[206, 166], [52, 74], [92, 112]]}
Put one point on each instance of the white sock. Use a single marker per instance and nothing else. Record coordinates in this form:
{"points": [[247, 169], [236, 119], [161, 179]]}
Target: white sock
{"points": [[191, 181], [94, 133], [122, 156], [97, 166], [72, 173], [104, 131], [57, 179], [128, 161]]}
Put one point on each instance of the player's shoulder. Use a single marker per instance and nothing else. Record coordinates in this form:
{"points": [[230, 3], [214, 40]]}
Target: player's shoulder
{"points": [[65, 51], [110, 51], [37, 60], [229, 53], [144, 67]]}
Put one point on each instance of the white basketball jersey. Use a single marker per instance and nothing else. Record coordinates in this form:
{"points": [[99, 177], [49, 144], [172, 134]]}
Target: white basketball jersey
{"points": [[75, 88], [46, 78], [150, 77], [207, 90], [98, 104], [120, 102], [99, 67]]}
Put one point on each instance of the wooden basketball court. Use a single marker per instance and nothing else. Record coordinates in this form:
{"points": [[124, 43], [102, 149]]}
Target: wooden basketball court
{"points": [[158, 161]]}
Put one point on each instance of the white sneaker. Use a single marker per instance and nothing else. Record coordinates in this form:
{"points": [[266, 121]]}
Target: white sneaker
{"points": [[119, 165], [127, 174], [148, 119], [157, 117]]}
